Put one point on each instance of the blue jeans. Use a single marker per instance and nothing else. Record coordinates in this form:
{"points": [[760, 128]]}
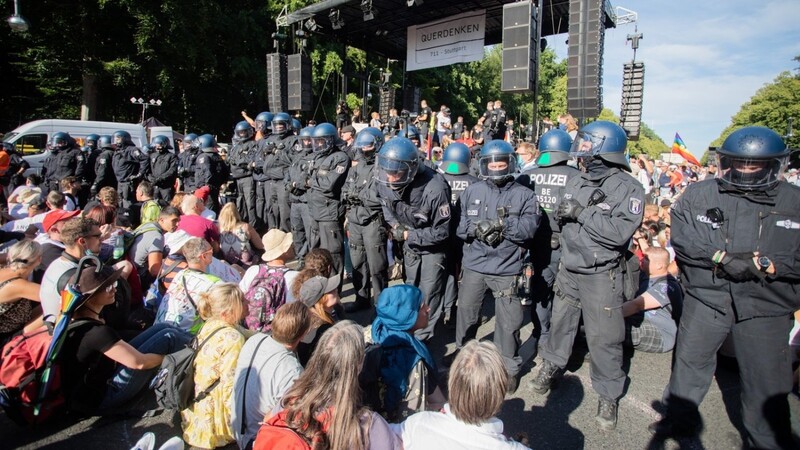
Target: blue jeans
{"points": [[161, 339]]}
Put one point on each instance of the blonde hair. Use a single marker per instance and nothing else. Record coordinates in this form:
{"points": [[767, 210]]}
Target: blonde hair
{"points": [[23, 254], [224, 301], [178, 199], [571, 124], [478, 382], [108, 196], [229, 218]]}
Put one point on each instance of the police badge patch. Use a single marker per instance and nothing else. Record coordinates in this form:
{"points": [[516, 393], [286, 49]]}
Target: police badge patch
{"points": [[444, 211], [635, 205]]}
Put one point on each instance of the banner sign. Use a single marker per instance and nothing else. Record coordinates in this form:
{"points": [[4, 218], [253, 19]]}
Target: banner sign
{"points": [[443, 42]]}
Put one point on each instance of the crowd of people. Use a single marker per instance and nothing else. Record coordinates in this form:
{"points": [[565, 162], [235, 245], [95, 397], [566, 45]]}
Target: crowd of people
{"points": [[245, 252]]}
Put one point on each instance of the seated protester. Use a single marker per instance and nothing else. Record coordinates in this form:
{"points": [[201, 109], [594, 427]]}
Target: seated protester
{"points": [[174, 242], [319, 294], [180, 304], [267, 367], [239, 241], [477, 387], [323, 406], [177, 199], [150, 209], [650, 318], [52, 245], [70, 187], [19, 298], [207, 422], [23, 196], [197, 226], [107, 196], [321, 260], [269, 279], [148, 244], [101, 372], [406, 371], [55, 201], [203, 193]]}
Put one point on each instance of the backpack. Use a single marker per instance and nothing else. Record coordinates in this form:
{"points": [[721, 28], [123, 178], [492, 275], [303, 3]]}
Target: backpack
{"points": [[23, 361], [265, 295], [276, 434], [174, 382], [235, 246]]}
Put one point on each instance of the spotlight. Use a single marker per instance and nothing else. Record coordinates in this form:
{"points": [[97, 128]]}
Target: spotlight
{"points": [[368, 10], [16, 22], [336, 22], [311, 25]]}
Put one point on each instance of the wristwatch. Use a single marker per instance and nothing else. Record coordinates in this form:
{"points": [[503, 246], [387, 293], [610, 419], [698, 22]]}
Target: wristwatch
{"points": [[763, 263]]}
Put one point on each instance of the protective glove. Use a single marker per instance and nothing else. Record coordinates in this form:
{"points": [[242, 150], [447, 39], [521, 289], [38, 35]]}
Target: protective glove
{"points": [[495, 236], [244, 165], [482, 229], [738, 267], [136, 177], [568, 210], [93, 190], [353, 199], [398, 233]]}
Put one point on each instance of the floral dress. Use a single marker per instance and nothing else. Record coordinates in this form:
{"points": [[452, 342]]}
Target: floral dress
{"points": [[207, 423]]}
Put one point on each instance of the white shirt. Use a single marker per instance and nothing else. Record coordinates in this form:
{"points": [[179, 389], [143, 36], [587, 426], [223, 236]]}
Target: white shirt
{"points": [[252, 272], [49, 293], [441, 121], [442, 431], [644, 178]]}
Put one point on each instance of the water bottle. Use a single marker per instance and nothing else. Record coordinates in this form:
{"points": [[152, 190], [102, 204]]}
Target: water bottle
{"points": [[119, 247]]}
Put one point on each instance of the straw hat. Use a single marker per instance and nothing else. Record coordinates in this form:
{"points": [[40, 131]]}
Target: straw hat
{"points": [[276, 243]]}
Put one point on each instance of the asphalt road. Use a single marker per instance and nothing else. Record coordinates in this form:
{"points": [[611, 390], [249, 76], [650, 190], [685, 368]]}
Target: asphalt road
{"points": [[562, 420]]}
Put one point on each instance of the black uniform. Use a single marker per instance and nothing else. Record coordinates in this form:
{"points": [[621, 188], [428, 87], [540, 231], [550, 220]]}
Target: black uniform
{"points": [[495, 267], [104, 171], [550, 184], [757, 313], [590, 279], [130, 166], [163, 173], [328, 174], [458, 184], [423, 121], [422, 207], [275, 166], [13, 176], [211, 171], [263, 150], [367, 233], [61, 164], [297, 184], [187, 167], [242, 161], [497, 126]]}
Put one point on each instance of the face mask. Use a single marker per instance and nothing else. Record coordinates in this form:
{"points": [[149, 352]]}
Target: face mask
{"points": [[88, 252]]}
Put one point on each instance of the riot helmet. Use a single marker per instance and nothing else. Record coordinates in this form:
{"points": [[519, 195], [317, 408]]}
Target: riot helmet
{"points": [[456, 159], [554, 147], [160, 143], [91, 141], [296, 126], [206, 143], [398, 161], [497, 161], [601, 139], [281, 123], [105, 142], [752, 158], [368, 142], [189, 141], [122, 138], [305, 138], [323, 137], [242, 132], [263, 121], [61, 141]]}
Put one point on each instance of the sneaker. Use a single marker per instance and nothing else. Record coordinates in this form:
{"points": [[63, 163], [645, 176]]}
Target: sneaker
{"points": [[545, 378], [606, 416]]}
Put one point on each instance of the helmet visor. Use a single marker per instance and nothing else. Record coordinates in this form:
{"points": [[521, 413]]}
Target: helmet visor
{"points": [[586, 145], [750, 173], [395, 173], [305, 143], [321, 143], [278, 126], [365, 143], [497, 166]]}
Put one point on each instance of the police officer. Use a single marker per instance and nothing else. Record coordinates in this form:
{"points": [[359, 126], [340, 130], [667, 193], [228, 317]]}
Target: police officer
{"points": [[549, 180], [104, 171], [210, 169], [599, 213], [455, 169], [412, 133], [17, 166], [241, 159], [498, 220], [297, 185], [276, 162], [65, 160], [130, 167], [328, 174], [416, 205], [90, 154], [186, 162], [263, 124], [423, 119], [366, 230], [736, 241], [497, 125], [163, 169]]}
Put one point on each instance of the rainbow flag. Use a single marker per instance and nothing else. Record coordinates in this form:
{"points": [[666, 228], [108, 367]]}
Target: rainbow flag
{"points": [[680, 148]]}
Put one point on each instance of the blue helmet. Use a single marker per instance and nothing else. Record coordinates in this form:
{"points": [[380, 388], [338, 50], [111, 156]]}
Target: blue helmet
{"points": [[122, 138], [368, 142], [323, 137], [491, 160], [91, 140], [281, 123], [752, 158], [296, 126], [105, 142], [603, 139], [61, 140], [160, 142], [190, 141], [456, 159], [242, 132], [554, 147], [305, 138], [398, 161], [412, 133], [264, 121], [206, 142]]}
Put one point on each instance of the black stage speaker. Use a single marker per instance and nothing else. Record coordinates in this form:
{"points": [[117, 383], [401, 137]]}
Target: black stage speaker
{"points": [[386, 101], [276, 82], [585, 58], [632, 95], [520, 45], [299, 82], [411, 98]]}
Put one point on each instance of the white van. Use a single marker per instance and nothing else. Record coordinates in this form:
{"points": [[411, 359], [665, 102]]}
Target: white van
{"points": [[31, 138]]}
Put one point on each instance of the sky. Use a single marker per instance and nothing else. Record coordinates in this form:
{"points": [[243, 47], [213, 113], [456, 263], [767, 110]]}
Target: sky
{"points": [[703, 60]]}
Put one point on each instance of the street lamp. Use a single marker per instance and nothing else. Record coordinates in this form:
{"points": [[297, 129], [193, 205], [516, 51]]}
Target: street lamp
{"points": [[16, 21], [145, 104]]}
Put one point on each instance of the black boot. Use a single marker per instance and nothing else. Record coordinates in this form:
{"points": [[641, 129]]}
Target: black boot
{"points": [[545, 378]]}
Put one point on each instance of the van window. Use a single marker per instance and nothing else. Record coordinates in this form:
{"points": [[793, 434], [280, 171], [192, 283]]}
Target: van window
{"points": [[31, 144]]}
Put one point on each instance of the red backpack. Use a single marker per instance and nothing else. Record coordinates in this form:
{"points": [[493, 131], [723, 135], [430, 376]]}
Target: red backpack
{"points": [[276, 434], [21, 365]]}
